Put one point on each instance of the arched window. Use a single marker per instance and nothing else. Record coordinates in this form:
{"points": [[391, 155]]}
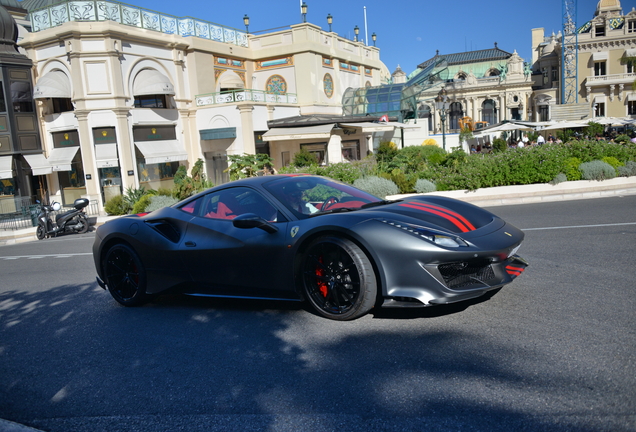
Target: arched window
{"points": [[460, 77], [489, 111], [424, 112], [454, 114], [493, 72]]}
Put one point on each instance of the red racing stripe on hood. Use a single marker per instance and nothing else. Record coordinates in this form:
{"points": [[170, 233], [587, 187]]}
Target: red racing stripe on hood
{"points": [[448, 217], [449, 212]]}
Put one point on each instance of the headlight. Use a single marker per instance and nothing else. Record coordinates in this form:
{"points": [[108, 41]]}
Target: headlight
{"points": [[437, 237]]}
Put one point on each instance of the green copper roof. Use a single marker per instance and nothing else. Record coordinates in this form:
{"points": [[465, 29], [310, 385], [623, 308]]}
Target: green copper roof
{"points": [[491, 54]]}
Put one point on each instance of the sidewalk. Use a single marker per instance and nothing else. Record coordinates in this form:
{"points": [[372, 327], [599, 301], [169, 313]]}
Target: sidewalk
{"points": [[503, 195]]}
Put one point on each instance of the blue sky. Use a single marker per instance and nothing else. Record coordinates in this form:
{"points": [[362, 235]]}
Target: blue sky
{"points": [[408, 32]]}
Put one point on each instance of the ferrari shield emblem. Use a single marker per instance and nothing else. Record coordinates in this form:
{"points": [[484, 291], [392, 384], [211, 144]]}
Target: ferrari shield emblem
{"points": [[294, 231]]}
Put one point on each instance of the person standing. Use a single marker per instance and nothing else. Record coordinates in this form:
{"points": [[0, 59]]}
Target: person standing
{"points": [[540, 140]]}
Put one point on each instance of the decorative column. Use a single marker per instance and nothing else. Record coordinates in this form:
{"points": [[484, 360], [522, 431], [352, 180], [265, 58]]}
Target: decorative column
{"points": [[247, 127], [88, 156]]}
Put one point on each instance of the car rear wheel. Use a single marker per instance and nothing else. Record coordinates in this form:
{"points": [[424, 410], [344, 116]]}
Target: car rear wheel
{"points": [[125, 275], [338, 279]]}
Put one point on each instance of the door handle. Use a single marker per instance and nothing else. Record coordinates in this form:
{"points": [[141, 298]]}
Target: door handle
{"points": [[190, 244]]}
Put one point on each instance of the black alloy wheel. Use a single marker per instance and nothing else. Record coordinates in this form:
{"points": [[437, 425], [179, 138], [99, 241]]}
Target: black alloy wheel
{"points": [[125, 275], [338, 279], [40, 233], [82, 220]]}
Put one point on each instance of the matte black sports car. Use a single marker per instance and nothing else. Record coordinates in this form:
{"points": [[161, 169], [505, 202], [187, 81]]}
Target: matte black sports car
{"points": [[300, 237]]}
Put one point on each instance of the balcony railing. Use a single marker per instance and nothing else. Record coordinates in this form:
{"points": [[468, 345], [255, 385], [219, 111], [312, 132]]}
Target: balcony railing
{"points": [[102, 10], [245, 95], [624, 78]]}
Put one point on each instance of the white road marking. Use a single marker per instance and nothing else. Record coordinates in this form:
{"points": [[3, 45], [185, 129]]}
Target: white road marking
{"points": [[579, 226], [7, 258]]}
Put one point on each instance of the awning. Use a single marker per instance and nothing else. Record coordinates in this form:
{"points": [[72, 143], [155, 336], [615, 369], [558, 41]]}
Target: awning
{"points": [[598, 56], [370, 126], [630, 53], [60, 158], [106, 155], [39, 164], [307, 132], [600, 99], [6, 171], [162, 151], [54, 84], [151, 82]]}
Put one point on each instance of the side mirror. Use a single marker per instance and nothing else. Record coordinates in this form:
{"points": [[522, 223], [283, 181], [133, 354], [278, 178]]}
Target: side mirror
{"points": [[250, 220]]}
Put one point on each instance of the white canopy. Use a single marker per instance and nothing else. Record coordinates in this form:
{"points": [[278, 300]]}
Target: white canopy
{"points": [[106, 155], [151, 82], [39, 164], [162, 151], [370, 126], [306, 132], [54, 84], [6, 171], [565, 125], [60, 158]]}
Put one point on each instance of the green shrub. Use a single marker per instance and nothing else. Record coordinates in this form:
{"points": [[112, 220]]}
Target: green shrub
{"points": [[571, 168], [345, 172], [622, 139], [160, 201], [612, 161], [424, 186], [133, 195], [304, 158], [560, 178], [377, 186], [140, 206], [116, 206], [387, 150], [597, 170], [499, 145], [628, 170], [404, 182]]}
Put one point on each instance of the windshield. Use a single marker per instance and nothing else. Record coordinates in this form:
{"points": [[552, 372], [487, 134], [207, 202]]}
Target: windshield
{"points": [[305, 195]]}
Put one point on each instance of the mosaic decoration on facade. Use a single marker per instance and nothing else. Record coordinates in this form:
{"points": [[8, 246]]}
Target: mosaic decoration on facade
{"points": [[367, 71], [274, 63], [276, 84], [327, 62], [228, 62], [86, 10], [327, 83]]}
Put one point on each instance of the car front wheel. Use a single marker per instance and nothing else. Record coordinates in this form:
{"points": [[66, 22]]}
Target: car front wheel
{"points": [[338, 279], [125, 275]]}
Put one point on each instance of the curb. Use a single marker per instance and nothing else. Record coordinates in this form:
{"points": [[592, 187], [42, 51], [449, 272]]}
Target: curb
{"points": [[496, 196]]}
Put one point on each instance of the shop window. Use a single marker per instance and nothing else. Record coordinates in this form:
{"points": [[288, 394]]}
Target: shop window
{"points": [[73, 183], [21, 96], [351, 150], [631, 107], [61, 105], [318, 150], [151, 101]]}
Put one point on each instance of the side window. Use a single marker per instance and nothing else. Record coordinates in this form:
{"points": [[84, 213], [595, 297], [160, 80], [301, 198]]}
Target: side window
{"points": [[230, 203]]}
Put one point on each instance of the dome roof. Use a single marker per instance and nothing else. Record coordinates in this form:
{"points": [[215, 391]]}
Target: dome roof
{"points": [[8, 33], [605, 6]]}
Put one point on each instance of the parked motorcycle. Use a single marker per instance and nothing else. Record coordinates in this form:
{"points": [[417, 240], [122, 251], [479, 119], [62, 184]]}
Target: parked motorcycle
{"points": [[74, 220]]}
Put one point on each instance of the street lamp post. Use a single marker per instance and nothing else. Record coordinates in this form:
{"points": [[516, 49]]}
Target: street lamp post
{"points": [[356, 30], [246, 21], [441, 105], [329, 21], [374, 37], [303, 11]]}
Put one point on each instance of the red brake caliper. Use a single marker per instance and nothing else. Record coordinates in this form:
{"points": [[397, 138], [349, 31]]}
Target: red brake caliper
{"points": [[320, 273]]}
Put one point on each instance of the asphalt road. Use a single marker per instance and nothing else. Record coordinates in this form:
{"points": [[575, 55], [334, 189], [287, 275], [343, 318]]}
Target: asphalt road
{"points": [[553, 351]]}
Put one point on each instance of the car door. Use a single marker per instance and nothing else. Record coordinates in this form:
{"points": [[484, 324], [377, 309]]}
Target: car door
{"points": [[229, 261]]}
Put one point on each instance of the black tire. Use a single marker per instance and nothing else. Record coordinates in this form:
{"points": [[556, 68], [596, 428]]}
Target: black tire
{"points": [[82, 219], [125, 275], [338, 279], [39, 232]]}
